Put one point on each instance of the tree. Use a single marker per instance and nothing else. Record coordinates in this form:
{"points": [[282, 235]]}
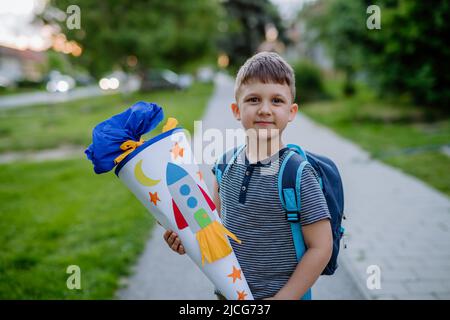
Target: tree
{"points": [[341, 26], [245, 27], [408, 55], [414, 56], [154, 33]]}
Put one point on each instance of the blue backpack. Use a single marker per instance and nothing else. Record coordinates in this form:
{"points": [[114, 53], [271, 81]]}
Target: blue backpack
{"points": [[289, 182]]}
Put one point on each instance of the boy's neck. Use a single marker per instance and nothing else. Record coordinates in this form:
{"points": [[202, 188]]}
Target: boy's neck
{"points": [[262, 149]]}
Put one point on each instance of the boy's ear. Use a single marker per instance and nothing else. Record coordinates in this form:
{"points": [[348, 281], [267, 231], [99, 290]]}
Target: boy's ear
{"points": [[236, 111], [293, 111]]}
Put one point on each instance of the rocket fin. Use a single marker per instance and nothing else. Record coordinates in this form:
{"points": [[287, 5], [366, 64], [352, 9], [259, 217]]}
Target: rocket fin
{"points": [[179, 219], [211, 204]]}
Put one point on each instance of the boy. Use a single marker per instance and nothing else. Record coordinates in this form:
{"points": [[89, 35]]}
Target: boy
{"points": [[248, 200]]}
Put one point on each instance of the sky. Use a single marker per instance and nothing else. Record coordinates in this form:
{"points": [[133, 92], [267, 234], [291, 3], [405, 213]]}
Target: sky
{"points": [[289, 8], [15, 28]]}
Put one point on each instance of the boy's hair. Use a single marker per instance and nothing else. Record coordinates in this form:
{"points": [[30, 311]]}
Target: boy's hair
{"points": [[267, 67]]}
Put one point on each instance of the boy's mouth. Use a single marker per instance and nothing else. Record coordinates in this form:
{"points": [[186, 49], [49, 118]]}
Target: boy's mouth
{"points": [[264, 123]]}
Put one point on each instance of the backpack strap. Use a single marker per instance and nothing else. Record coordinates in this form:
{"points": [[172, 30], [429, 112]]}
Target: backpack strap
{"points": [[289, 188], [304, 155], [224, 162]]}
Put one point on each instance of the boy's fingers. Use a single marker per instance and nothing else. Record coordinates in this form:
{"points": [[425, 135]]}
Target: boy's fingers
{"points": [[176, 244], [173, 241], [172, 237], [167, 234], [174, 247]]}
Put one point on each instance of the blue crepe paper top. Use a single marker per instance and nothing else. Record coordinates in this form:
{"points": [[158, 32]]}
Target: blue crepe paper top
{"points": [[108, 135]]}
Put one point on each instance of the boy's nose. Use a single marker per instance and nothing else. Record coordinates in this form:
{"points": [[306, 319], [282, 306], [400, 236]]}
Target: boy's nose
{"points": [[265, 108]]}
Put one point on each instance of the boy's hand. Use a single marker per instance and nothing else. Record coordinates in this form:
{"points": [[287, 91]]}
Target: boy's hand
{"points": [[174, 241]]}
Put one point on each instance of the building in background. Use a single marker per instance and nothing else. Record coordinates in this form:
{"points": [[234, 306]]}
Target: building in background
{"points": [[18, 65]]}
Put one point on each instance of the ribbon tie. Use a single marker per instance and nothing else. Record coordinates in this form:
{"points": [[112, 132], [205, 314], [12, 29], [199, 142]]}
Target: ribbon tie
{"points": [[128, 147]]}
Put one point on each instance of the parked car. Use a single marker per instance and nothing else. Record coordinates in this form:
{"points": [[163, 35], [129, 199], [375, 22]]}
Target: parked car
{"points": [[205, 74], [57, 82]]}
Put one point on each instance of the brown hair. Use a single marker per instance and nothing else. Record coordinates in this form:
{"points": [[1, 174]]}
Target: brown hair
{"points": [[267, 67]]}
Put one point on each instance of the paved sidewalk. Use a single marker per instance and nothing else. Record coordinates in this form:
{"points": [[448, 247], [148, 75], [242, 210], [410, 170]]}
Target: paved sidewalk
{"points": [[163, 274], [43, 97]]}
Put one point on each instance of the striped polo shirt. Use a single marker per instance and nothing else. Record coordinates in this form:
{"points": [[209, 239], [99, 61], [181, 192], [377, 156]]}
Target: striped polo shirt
{"points": [[252, 210]]}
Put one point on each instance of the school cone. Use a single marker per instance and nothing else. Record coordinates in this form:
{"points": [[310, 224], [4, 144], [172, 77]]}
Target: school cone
{"points": [[163, 175]]}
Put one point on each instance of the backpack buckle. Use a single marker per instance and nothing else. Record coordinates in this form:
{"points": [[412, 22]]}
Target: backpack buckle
{"points": [[292, 216]]}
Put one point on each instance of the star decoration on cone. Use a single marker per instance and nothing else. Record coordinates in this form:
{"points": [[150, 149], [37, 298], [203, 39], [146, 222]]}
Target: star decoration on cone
{"points": [[236, 274], [241, 295], [154, 197], [177, 151]]}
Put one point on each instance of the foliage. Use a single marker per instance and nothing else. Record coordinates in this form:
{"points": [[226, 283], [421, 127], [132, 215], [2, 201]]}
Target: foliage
{"points": [[308, 82], [413, 55], [409, 55], [158, 33], [339, 25], [244, 28]]}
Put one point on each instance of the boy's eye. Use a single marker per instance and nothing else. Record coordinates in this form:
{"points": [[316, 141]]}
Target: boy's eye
{"points": [[253, 100], [277, 100]]}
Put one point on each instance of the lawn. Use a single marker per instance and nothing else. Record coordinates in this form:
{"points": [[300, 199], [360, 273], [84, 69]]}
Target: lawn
{"points": [[59, 213], [399, 134], [71, 123]]}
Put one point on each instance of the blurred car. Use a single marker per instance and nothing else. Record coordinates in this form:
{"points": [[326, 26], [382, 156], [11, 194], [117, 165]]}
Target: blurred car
{"points": [[185, 80], [113, 81], [58, 82], [6, 82], [205, 74], [164, 79]]}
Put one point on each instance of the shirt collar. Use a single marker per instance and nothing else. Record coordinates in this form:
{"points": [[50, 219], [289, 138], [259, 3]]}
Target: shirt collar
{"points": [[266, 162]]}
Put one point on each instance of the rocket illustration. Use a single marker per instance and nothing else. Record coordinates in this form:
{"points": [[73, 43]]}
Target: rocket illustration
{"points": [[193, 208]]}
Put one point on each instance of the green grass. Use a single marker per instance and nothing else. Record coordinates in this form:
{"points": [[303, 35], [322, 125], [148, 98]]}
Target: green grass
{"points": [[59, 213], [399, 134], [49, 126]]}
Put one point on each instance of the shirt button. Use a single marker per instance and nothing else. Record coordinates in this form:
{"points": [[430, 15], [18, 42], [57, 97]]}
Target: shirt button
{"points": [[247, 173], [243, 188]]}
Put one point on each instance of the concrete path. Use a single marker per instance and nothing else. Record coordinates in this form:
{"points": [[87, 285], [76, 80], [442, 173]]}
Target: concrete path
{"points": [[41, 97], [60, 153], [44, 97], [163, 274]]}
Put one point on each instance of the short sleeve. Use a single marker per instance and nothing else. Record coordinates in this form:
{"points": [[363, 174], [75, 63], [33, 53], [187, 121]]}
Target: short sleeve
{"points": [[313, 204]]}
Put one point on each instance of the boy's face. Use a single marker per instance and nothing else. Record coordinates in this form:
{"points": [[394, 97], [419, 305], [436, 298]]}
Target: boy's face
{"points": [[265, 107]]}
